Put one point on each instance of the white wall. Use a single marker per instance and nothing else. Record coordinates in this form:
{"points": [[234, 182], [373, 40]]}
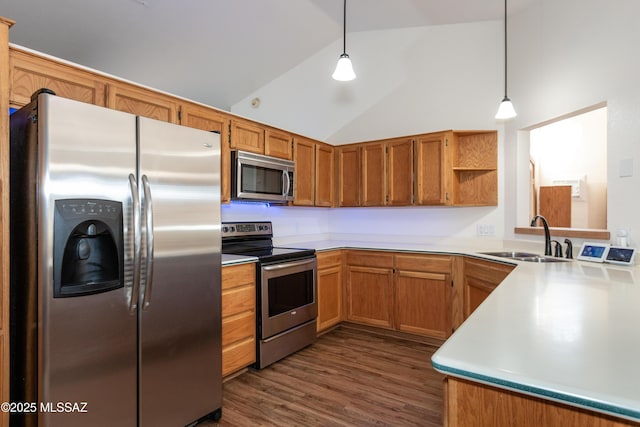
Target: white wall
{"points": [[564, 55], [409, 81], [567, 55]]}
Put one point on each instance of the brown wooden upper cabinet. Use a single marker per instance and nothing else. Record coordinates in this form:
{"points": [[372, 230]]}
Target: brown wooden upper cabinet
{"points": [[313, 178], [454, 168], [429, 169], [348, 175], [400, 172], [278, 144], [142, 102], [473, 157], [30, 72], [247, 136], [384, 173], [209, 119], [374, 173]]}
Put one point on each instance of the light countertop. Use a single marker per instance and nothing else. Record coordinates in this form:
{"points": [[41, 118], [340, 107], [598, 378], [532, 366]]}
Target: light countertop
{"points": [[568, 332]]}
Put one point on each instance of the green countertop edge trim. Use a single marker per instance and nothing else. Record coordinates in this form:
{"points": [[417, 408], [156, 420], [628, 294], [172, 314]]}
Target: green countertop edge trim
{"points": [[631, 414]]}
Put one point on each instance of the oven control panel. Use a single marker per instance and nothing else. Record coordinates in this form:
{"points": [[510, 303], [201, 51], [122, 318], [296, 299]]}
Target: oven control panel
{"points": [[246, 229]]}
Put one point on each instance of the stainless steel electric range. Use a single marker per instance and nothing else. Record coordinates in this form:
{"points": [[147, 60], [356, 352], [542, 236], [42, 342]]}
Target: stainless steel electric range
{"points": [[286, 290]]}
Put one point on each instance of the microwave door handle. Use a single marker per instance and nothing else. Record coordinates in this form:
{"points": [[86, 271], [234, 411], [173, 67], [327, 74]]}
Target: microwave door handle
{"points": [[287, 180]]}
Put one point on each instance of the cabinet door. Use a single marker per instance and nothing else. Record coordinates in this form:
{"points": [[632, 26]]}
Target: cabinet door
{"points": [[400, 175], [141, 102], [370, 295], [423, 303], [278, 144], [349, 176], [30, 72], [423, 292], [370, 288], [212, 120], [374, 191], [324, 173], [304, 176], [480, 278], [247, 136], [429, 169], [329, 289]]}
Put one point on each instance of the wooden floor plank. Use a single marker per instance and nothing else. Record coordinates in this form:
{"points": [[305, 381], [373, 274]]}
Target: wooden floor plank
{"points": [[349, 377]]}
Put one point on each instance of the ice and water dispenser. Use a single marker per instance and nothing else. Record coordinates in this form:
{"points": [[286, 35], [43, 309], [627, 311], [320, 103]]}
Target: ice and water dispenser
{"points": [[88, 249]]}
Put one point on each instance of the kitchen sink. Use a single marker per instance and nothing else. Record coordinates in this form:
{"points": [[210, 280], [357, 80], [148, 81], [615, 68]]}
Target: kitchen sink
{"points": [[511, 254], [525, 256]]}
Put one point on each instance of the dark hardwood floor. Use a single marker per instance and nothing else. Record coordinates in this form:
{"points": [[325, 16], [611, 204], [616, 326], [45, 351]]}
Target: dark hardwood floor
{"points": [[349, 377]]}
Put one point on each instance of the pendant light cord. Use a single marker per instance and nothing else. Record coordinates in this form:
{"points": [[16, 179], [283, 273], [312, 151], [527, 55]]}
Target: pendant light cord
{"points": [[344, 28], [505, 48]]}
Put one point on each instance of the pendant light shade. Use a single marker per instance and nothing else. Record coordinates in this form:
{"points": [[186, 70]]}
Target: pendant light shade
{"points": [[505, 110], [344, 69]]}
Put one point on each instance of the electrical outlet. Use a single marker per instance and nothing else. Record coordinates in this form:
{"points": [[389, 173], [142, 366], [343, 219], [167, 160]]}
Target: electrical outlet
{"points": [[485, 230]]}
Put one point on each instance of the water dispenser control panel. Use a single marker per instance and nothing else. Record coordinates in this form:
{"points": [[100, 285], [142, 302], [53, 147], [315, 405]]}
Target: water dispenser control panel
{"points": [[88, 248]]}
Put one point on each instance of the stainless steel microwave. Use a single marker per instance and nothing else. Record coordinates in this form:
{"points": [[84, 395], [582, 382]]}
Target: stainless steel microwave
{"points": [[255, 177]]}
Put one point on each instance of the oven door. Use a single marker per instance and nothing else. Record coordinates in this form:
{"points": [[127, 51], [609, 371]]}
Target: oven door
{"points": [[287, 295]]}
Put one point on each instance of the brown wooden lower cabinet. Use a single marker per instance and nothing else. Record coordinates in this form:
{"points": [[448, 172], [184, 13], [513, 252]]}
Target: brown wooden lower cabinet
{"points": [[423, 294], [468, 403], [329, 289], [479, 280], [369, 279], [238, 317], [404, 292]]}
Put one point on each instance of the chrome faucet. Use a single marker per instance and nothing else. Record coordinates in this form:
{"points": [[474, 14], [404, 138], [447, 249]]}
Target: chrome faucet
{"points": [[547, 235]]}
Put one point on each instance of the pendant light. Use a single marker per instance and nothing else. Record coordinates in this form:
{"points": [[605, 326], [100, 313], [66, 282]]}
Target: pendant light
{"points": [[505, 110], [344, 69]]}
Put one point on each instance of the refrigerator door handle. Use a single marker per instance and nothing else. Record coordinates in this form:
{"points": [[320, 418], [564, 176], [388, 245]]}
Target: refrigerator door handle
{"points": [[148, 218], [137, 244]]}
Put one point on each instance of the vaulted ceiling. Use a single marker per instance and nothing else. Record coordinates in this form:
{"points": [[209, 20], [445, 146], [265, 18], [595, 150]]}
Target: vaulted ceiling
{"points": [[216, 51]]}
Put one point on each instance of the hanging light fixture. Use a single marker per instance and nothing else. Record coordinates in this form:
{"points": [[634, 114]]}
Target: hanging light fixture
{"points": [[344, 69], [505, 110]]}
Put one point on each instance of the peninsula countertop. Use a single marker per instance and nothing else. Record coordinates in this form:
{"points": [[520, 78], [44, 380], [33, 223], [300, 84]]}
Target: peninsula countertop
{"points": [[565, 331]]}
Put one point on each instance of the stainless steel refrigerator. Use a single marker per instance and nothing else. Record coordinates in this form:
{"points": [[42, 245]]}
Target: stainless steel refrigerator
{"points": [[115, 268]]}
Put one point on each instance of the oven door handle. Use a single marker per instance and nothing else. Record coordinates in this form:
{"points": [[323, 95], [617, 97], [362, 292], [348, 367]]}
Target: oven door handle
{"points": [[287, 265]]}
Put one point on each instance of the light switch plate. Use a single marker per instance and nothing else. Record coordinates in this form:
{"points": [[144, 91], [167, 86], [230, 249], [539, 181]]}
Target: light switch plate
{"points": [[626, 168]]}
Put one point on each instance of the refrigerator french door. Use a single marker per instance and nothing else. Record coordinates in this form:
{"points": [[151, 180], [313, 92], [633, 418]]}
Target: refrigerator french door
{"points": [[115, 268]]}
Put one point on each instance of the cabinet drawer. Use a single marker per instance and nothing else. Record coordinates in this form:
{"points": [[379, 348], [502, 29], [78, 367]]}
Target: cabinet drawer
{"points": [[238, 327], [238, 300], [238, 275], [418, 262], [238, 355], [370, 259], [329, 258]]}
